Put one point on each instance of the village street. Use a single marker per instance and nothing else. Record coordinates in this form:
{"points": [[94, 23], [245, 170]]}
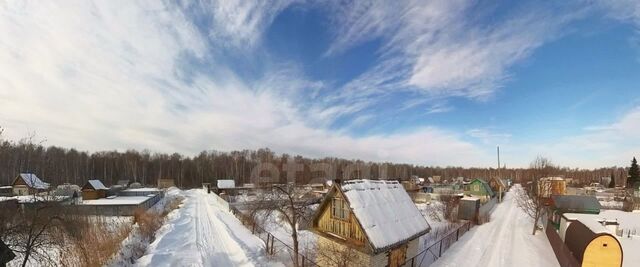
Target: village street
{"points": [[202, 233], [504, 241]]}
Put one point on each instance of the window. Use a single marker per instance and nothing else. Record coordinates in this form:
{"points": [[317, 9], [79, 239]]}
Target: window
{"points": [[340, 210], [476, 187]]}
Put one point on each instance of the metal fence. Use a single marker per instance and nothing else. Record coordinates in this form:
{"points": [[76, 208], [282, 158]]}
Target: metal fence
{"points": [[275, 247], [429, 255]]}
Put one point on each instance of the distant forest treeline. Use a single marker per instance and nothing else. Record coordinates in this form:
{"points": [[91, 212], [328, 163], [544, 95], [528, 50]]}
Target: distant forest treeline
{"points": [[58, 165]]}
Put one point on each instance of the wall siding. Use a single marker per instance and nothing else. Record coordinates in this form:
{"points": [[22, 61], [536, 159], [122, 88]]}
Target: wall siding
{"points": [[349, 229], [599, 255]]}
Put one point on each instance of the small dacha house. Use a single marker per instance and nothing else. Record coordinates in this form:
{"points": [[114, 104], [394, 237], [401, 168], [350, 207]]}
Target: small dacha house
{"points": [[370, 223], [479, 188], [94, 189], [28, 184]]}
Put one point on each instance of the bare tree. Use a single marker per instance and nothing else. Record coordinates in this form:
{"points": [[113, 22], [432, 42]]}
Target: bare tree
{"points": [[338, 255], [33, 232], [291, 203], [530, 198]]}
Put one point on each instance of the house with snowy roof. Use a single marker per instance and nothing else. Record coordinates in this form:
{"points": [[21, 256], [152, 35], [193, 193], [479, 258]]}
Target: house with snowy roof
{"points": [[27, 184], [375, 222], [94, 189], [479, 188]]}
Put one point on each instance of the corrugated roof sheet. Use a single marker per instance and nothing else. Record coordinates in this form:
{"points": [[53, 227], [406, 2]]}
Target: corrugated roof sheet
{"points": [[576, 203], [97, 185]]}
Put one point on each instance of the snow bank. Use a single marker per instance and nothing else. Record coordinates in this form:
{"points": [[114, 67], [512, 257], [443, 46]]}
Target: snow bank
{"points": [[202, 233], [136, 243]]}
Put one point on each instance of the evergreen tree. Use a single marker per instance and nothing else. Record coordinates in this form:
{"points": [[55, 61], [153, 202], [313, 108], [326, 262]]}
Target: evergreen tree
{"points": [[634, 174], [612, 182]]}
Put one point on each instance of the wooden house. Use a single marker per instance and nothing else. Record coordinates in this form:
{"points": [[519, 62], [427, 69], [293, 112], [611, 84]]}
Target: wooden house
{"points": [[499, 186], [375, 222], [28, 184], [479, 188], [550, 186], [94, 189]]}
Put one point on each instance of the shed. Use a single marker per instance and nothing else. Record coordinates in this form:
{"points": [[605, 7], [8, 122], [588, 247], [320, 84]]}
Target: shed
{"points": [[94, 189], [592, 245], [377, 220], [468, 208], [571, 204], [28, 183]]}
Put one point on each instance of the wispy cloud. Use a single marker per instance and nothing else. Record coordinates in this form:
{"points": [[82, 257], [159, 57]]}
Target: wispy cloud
{"points": [[441, 48], [79, 75], [489, 137]]}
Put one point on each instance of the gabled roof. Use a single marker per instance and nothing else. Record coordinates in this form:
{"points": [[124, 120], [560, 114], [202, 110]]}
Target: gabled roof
{"points": [[500, 182], [32, 181], [570, 203], [485, 185], [385, 212], [95, 185]]}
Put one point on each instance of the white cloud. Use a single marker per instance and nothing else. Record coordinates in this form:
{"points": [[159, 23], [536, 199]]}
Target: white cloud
{"points": [[489, 137], [237, 24], [596, 146], [111, 75], [441, 48]]}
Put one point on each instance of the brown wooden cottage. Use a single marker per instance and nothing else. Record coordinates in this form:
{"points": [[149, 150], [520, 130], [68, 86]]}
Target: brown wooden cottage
{"points": [[367, 223], [28, 184], [94, 189]]}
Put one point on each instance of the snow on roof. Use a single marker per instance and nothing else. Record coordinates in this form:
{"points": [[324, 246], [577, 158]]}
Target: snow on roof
{"points": [[226, 184], [33, 181], [120, 200], [626, 220], [34, 198], [385, 211], [97, 185], [143, 189], [552, 179]]}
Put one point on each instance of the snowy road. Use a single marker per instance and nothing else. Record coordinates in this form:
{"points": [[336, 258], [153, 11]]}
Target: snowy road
{"points": [[202, 233], [505, 241]]}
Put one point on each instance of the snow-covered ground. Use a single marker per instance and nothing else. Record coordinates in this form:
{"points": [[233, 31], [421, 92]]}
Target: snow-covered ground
{"points": [[202, 233], [504, 241]]}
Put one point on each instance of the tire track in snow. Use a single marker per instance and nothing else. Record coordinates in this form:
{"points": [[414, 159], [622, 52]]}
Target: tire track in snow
{"points": [[504, 241]]}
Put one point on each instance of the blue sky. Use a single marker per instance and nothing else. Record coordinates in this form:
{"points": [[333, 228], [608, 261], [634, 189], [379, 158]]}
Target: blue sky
{"points": [[426, 82]]}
